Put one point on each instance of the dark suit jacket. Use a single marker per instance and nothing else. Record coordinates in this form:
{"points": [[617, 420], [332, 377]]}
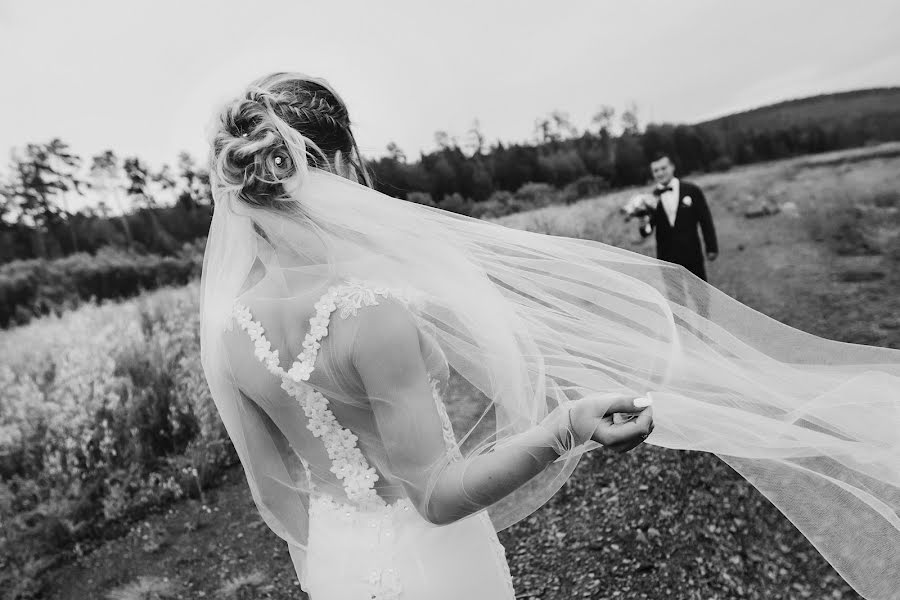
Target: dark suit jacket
{"points": [[680, 243]]}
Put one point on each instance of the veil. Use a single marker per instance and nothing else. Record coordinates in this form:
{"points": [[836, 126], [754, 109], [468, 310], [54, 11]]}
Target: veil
{"points": [[530, 322]]}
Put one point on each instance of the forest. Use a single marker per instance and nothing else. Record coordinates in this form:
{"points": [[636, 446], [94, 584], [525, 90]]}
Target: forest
{"points": [[145, 228]]}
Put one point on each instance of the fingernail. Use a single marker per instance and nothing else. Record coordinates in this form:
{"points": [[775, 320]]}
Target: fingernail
{"points": [[642, 402]]}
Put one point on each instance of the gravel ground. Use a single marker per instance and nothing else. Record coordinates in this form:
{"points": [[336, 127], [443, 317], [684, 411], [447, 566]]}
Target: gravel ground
{"points": [[650, 524]]}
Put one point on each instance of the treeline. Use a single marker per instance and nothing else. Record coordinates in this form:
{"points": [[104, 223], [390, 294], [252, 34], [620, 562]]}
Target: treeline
{"points": [[145, 212], [133, 208], [460, 176], [38, 287]]}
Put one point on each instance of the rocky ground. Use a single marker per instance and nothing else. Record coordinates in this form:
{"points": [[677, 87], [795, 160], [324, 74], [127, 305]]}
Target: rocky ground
{"points": [[649, 524]]}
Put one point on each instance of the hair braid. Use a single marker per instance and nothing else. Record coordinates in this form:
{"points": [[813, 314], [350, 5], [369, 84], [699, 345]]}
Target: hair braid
{"points": [[279, 120]]}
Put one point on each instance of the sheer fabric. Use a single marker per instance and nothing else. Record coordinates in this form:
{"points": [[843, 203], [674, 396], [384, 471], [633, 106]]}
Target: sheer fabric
{"points": [[365, 541], [530, 323]]}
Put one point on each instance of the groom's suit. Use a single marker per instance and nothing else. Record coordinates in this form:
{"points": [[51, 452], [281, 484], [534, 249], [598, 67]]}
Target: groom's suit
{"points": [[678, 212]]}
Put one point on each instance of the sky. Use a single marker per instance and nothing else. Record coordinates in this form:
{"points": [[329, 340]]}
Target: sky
{"points": [[144, 78]]}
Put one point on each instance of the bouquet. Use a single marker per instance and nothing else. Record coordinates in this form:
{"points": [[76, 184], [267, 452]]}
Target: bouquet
{"points": [[640, 205]]}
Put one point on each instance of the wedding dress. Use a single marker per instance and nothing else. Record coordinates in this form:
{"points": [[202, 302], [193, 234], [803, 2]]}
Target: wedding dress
{"points": [[352, 465], [363, 541]]}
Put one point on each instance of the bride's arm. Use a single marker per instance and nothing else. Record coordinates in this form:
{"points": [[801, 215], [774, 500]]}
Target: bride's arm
{"points": [[388, 359]]}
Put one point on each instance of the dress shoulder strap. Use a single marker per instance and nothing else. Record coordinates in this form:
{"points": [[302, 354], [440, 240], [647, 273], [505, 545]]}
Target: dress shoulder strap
{"points": [[345, 298]]}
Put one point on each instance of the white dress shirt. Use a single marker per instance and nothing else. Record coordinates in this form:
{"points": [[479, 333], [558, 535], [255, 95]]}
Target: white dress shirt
{"points": [[669, 200]]}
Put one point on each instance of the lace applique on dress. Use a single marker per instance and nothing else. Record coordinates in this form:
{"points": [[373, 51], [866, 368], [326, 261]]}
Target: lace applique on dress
{"points": [[446, 425], [347, 462]]}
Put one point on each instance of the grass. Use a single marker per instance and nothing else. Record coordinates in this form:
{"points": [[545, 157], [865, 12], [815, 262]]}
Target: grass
{"points": [[244, 587], [653, 523], [104, 416], [146, 588]]}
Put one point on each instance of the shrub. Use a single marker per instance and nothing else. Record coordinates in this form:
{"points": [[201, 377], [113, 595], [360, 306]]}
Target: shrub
{"points": [[536, 195], [721, 164], [499, 204], [456, 203], [420, 198], [584, 187], [38, 287], [105, 414]]}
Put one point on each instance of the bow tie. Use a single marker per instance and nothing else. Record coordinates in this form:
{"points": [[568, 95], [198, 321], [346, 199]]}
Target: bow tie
{"points": [[662, 190]]}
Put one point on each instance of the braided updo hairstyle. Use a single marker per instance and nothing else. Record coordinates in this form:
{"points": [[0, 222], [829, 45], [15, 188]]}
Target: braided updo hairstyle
{"points": [[280, 120]]}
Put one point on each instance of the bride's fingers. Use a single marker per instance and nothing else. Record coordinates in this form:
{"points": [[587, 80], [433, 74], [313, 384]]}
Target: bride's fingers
{"points": [[635, 430], [622, 447], [625, 446], [629, 405]]}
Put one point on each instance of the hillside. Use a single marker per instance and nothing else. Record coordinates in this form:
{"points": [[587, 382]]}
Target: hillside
{"points": [[873, 113]]}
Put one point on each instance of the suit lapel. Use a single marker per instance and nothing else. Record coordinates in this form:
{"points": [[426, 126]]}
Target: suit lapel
{"points": [[661, 215], [678, 192]]}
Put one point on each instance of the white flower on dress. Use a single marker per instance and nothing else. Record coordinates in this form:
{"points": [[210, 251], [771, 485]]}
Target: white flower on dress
{"points": [[348, 463], [325, 304], [300, 371], [318, 429]]}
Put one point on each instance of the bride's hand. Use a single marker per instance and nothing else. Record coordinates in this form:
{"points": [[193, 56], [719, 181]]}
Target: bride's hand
{"points": [[591, 418]]}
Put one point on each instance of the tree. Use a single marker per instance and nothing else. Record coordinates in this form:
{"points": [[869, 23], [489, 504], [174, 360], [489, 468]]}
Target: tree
{"points": [[630, 165], [603, 121], [475, 139], [563, 124], [456, 203], [443, 140], [137, 178], [543, 130], [194, 190], [554, 127], [40, 179], [562, 166], [396, 153], [7, 205], [136, 175], [164, 178], [164, 182], [631, 124], [107, 179], [101, 210]]}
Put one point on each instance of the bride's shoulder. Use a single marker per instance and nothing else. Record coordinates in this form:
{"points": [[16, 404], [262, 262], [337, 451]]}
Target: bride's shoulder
{"points": [[385, 332]]}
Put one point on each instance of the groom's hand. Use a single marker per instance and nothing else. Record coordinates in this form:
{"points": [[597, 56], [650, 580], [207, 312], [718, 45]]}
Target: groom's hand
{"points": [[645, 228], [711, 256]]}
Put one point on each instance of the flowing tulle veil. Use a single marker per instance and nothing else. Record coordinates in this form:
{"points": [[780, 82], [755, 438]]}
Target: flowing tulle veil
{"points": [[534, 321]]}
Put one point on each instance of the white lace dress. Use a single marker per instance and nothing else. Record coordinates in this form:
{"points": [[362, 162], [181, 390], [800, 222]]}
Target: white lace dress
{"points": [[361, 546]]}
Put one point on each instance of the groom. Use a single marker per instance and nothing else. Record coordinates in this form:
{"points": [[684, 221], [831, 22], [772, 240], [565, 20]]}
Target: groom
{"points": [[680, 208]]}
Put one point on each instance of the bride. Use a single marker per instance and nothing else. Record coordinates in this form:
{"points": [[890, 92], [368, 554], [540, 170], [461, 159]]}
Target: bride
{"points": [[400, 383]]}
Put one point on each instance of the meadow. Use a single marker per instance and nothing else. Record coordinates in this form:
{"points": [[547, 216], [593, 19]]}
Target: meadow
{"points": [[118, 481]]}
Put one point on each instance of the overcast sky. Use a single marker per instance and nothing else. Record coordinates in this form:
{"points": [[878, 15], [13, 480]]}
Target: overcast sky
{"points": [[144, 77]]}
